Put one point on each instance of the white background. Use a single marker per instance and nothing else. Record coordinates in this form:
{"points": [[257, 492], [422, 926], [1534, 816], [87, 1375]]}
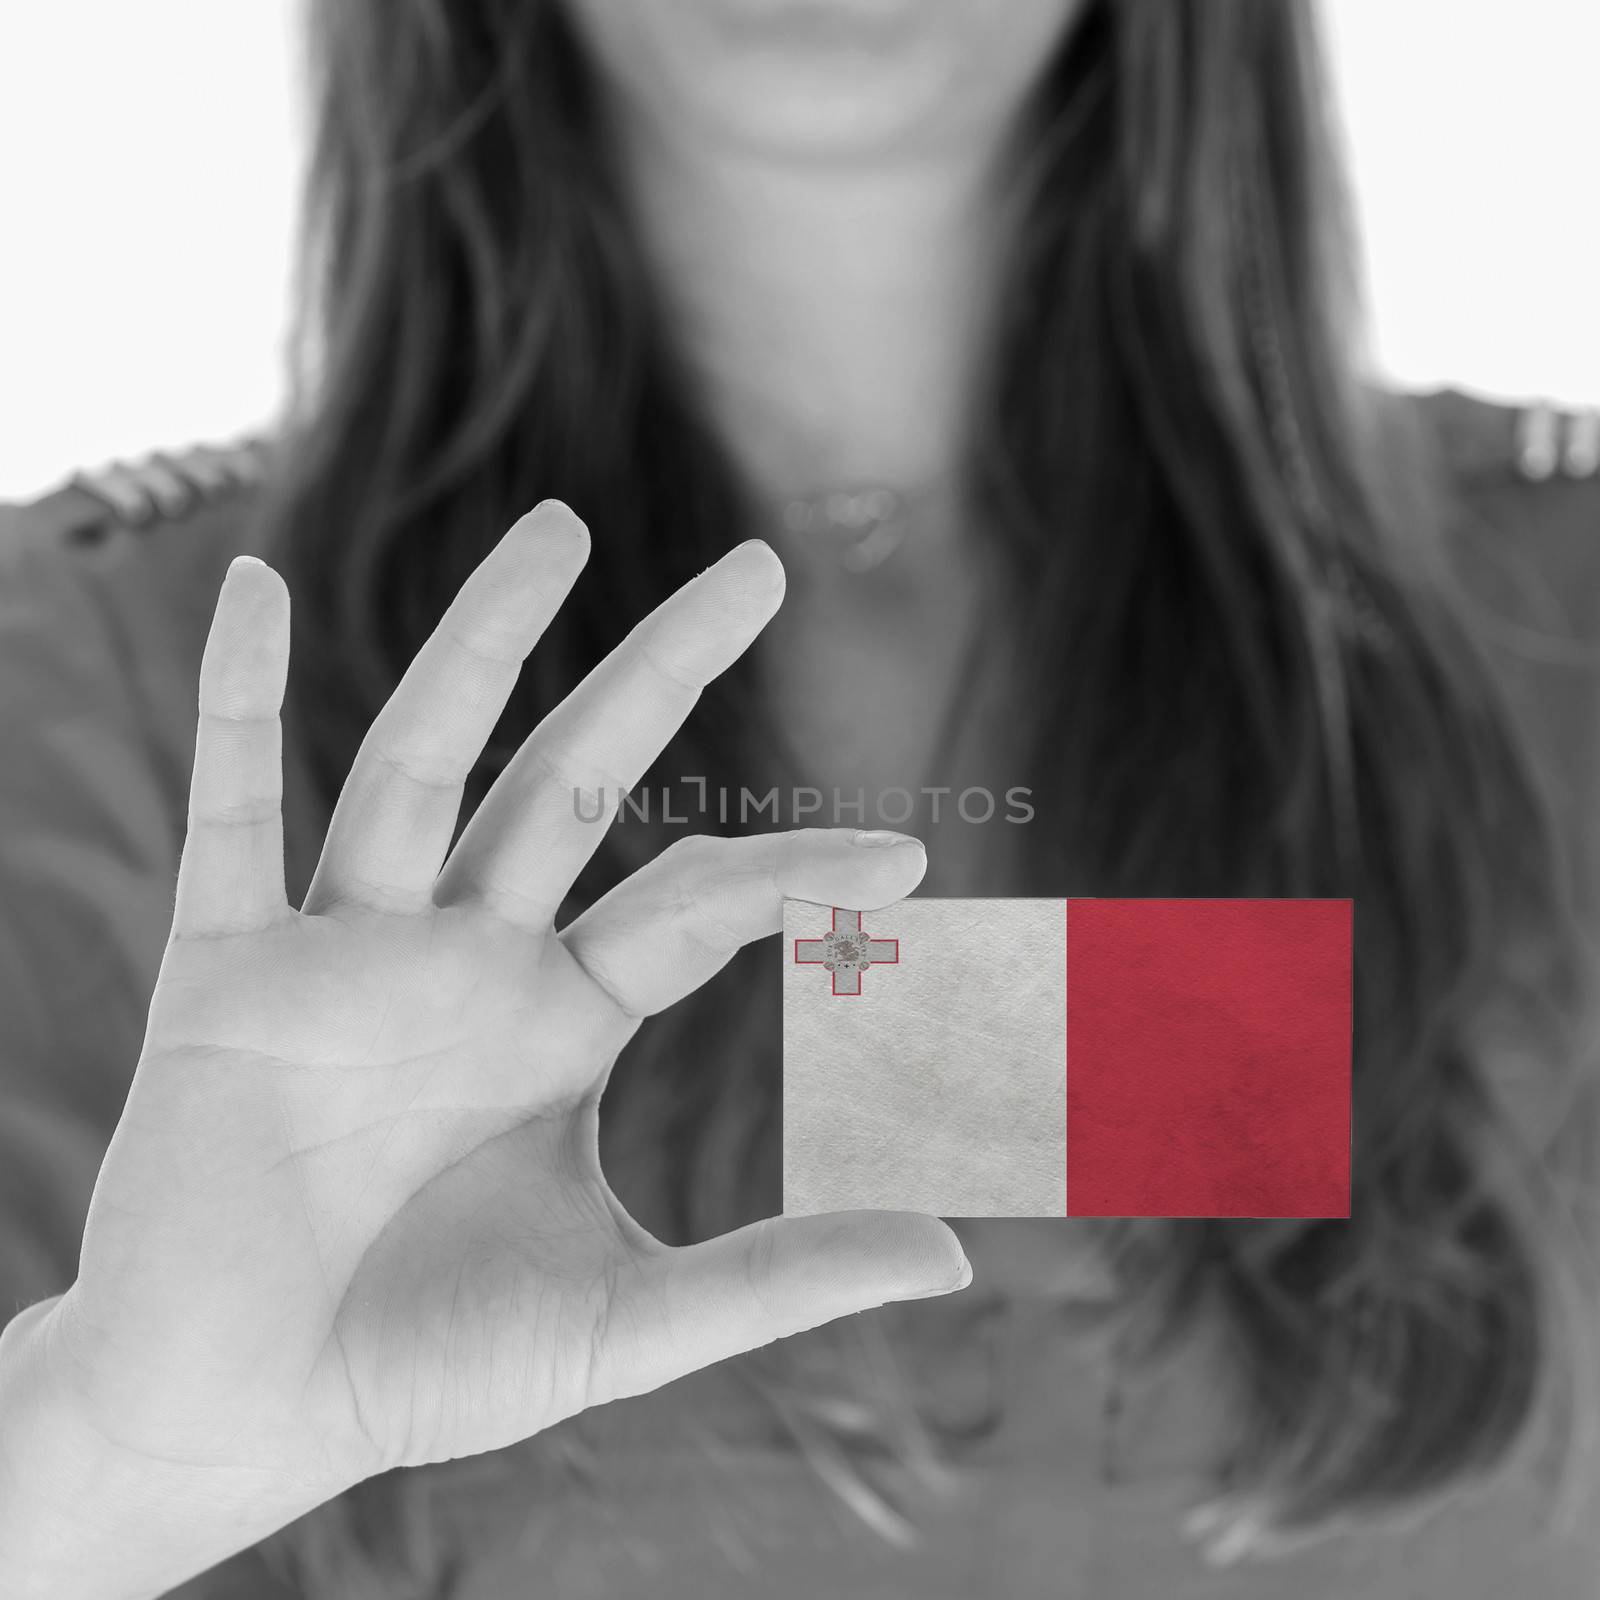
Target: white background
{"points": [[149, 154]]}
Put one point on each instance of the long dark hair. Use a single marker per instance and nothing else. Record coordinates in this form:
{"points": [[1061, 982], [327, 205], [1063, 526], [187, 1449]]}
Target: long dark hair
{"points": [[1253, 671]]}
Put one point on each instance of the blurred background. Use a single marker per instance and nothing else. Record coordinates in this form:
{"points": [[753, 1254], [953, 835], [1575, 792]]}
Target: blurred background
{"points": [[150, 153]]}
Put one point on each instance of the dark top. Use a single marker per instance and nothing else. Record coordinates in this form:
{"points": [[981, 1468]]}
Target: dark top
{"points": [[106, 592]]}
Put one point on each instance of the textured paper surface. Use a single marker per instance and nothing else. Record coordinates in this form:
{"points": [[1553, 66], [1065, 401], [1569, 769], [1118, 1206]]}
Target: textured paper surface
{"points": [[1208, 1058], [1017, 1058], [940, 1087]]}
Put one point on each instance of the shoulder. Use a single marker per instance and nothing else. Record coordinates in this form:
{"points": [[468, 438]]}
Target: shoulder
{"points": [[141, 543], [117, 569], [108, 585], [1521, 481], [164, 490], [1498, 444], [107, 588]]}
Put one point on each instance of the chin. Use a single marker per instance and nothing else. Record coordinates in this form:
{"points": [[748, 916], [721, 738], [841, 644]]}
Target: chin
{"points": [[821, 76], [839, 102]]}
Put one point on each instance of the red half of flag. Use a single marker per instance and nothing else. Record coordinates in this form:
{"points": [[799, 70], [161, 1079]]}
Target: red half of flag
{"points": [[1208, 1058]]}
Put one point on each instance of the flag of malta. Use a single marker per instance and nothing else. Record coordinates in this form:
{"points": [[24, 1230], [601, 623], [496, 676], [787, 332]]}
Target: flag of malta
{"points": [[1083, 1058]]}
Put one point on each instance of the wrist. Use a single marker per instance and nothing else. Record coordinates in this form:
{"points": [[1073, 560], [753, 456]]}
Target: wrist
{"points": [[82, 1518]]}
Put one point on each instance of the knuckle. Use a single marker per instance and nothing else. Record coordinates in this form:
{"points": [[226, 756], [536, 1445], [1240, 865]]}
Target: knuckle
{"points": [[427, 772], [693, 853], [627, 1007], [220, 716], [761, 1265], [251, 812], [793, 851], [661, 666], [690, 914], [483, 642], [548, 764]]}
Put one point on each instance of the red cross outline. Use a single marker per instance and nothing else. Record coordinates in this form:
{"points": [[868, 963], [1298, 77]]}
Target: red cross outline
{"points": [[879, 952]]}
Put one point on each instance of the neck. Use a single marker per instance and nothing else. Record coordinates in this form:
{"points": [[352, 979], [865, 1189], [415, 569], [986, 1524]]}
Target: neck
{"points": [[831, 310]]}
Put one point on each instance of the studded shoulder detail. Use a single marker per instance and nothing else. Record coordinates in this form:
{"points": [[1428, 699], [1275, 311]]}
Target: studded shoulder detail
{"points": [[1485, 441], [1549, 439], [163, 487], [172, 483]]}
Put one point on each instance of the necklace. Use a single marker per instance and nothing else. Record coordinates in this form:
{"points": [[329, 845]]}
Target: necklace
{"points": [[863, 527]]}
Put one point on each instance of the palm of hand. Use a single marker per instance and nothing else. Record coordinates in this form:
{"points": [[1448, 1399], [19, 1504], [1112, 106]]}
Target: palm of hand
{"points": [[429, 1160]]}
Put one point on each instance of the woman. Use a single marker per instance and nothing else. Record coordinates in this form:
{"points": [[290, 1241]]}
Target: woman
{"points": [[1063, 302]]}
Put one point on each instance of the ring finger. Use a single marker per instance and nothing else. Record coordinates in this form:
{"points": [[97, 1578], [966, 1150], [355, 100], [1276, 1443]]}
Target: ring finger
{"points": [[548, 810]]}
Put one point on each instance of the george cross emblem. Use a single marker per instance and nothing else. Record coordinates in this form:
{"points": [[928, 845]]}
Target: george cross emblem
{"points": [[846, 951]]}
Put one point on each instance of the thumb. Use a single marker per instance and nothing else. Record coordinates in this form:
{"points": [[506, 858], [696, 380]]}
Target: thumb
{"points": [[687, 1308]]}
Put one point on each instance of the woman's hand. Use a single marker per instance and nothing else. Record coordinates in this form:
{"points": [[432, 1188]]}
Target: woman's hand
{"points": [[353, 1217]]}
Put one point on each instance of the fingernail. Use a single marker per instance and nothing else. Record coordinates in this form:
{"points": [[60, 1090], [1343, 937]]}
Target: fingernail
{"points": [[963, 1278], [741, 558], [550, 515], [745, 549], [236, 569], [881, 839]]}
